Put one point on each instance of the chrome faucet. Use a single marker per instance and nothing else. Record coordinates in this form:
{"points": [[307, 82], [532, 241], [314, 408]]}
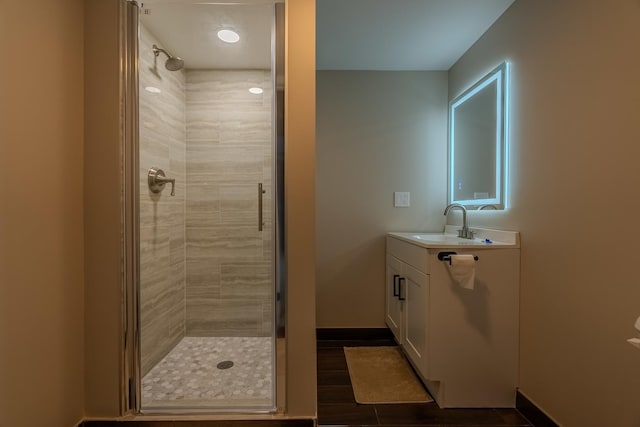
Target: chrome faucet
{"points": [[463, 233]]}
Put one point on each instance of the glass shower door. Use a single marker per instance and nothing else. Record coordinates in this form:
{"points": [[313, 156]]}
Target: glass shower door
{"points": [[207, 257]]}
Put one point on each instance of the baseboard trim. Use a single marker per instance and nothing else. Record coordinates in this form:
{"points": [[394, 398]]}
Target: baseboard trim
{"points": [[200, 423], [353, 334], [532, 413]]}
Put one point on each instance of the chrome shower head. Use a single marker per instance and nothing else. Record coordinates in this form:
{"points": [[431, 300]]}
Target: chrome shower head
{"points": [[173, 63]]}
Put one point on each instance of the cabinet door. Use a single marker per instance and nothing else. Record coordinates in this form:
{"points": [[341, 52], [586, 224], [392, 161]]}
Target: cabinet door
{"points": [[393, 308], [414, 289]]}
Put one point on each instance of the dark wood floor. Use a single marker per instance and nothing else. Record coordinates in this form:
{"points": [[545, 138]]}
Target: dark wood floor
{"points": [[337, 406]]}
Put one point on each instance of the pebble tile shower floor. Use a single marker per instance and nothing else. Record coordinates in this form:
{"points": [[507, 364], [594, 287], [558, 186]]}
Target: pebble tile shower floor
{"points": [[188, 377]]}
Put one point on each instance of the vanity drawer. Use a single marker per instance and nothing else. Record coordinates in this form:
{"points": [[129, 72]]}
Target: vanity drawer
{"points": [[413, 255]]}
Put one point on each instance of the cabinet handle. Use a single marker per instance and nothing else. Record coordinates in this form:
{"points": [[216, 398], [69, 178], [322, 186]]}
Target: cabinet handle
{"points": [[400, 297], [395, 285]]}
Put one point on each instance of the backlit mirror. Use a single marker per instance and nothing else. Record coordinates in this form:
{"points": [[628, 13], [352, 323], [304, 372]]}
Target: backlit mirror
{"points": [[478, 143]]}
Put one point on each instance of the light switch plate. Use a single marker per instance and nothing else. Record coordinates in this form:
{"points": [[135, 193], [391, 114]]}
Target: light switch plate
{"points": [[401, 199]]}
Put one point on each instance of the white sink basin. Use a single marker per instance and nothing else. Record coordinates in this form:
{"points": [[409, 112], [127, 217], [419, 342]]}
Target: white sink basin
{"points": [[445, 239], [484, 238]]}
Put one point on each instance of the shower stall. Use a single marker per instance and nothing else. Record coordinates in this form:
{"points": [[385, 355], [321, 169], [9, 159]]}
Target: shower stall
{"points": [[209, 205]]}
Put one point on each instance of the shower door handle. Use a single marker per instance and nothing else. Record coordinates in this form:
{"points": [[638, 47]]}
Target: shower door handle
{"points": [[261, 191]]}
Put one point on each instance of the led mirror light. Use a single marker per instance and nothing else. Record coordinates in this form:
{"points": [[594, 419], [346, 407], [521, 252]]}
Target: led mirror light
{"points": [[152, 89], [228, 36], [256, 90], [478, 142]]}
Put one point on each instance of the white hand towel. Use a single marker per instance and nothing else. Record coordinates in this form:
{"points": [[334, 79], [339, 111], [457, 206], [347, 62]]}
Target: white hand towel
{"points": [[463, 270]]}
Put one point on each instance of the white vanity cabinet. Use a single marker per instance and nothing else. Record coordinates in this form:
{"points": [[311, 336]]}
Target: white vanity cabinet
{"points": [[462, 342], [393, 309], [407, 299]]}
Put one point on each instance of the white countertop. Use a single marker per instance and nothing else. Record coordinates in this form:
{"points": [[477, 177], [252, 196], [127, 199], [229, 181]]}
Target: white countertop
{"points": [[484, 238]]}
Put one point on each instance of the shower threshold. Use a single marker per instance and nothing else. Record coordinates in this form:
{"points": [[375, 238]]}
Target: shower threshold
{"points": [[189, 376]]}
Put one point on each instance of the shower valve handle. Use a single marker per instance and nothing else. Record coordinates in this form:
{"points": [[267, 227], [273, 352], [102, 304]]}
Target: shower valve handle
{"points": [[157, 180]]}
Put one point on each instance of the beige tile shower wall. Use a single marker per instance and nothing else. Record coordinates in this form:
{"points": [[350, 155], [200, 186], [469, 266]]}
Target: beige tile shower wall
{"points": [[162, 217], [229, 269]]}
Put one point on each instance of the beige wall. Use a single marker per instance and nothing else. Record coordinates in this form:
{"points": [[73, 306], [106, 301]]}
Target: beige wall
{"points": [[41, 214], [103, 254], [300, 138], [378, 132], [575, 137]]}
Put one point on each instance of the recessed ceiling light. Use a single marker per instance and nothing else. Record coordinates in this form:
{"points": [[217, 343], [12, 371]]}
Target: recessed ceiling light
{"points": [[256, 90], [228, 36], [152, 89]]}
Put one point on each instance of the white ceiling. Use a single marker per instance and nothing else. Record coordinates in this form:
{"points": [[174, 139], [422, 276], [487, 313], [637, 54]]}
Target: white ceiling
{"points": [[400, 34], [189, 30], [350, 34]]}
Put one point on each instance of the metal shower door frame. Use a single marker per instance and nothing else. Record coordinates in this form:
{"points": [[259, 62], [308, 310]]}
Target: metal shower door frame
{"points": [[129, 91], [131, 381]]}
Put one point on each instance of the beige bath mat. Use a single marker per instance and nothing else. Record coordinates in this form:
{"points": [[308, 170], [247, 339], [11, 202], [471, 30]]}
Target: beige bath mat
{"points": [[383, 375]]}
